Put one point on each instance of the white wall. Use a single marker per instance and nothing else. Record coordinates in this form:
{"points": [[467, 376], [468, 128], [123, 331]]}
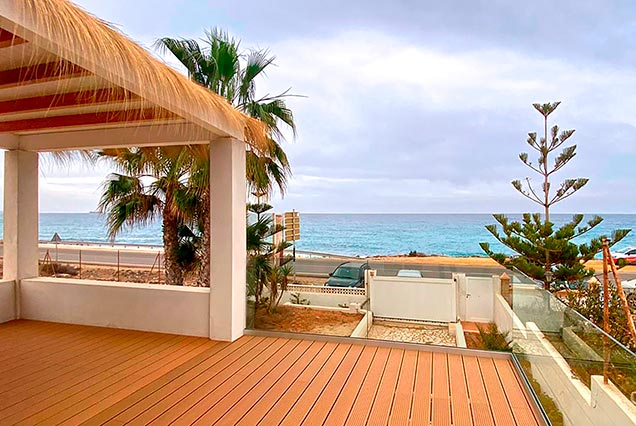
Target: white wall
{"points": [[507, 321], [7, 301], [602, 405], [325, 296], [425, 299], [148, 307]]}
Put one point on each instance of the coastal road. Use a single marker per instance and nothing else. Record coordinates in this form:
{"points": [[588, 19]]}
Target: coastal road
{"points": [[145, 257], [317, 266]]}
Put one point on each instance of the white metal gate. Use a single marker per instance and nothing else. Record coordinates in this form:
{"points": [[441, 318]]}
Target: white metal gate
{"points": [[423, 299], [479, 299]]}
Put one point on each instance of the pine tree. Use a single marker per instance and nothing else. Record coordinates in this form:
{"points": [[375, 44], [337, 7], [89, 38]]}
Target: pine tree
{"points": [[546, 251]]}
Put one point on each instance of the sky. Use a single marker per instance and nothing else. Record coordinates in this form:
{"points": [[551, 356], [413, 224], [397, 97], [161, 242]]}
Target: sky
{"points": [[418, 106]]}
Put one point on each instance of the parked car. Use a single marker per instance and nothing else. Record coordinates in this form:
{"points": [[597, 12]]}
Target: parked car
{"points": [[409, 273], [627, 254], [348, 274]]}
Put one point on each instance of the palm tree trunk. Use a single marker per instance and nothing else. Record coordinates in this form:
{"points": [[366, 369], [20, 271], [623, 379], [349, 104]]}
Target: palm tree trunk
{"points": [[204, 262], [174, 272]]}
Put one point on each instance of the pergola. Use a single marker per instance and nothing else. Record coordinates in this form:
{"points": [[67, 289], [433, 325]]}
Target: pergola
{"points": [[68, 81]]}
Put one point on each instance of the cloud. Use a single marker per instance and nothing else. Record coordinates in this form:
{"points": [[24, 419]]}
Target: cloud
{"points": [[422, 106]]}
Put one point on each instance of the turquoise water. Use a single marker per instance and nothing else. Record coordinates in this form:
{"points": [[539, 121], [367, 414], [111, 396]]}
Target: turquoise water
{"points": [[350, 234]]}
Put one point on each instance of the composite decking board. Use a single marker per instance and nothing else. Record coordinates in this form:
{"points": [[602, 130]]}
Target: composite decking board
{"points": [[460, 404], [497, 394], [479, 404], [333, 391], [381, 408], [35, 366], [58, 396], [20, 332], [324, 399], [64, 365], [401, 406], [342, 407], [255, 369], [121, 386], [312, 391], [49, 383], [252, 414], [517, 399], [261, 380], [52, 340], [421, 404], [362, 406], [63, 396], [276, 378], [176, 403], [440, 411], [132, 404], [282, 403], [97, 375]]}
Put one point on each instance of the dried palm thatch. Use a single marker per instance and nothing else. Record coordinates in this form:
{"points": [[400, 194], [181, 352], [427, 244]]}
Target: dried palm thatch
{"points": [[81, 39]]}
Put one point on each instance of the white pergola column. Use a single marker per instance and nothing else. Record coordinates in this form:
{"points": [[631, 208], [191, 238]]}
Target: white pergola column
{"points": [[228, 245], [20, 217]]}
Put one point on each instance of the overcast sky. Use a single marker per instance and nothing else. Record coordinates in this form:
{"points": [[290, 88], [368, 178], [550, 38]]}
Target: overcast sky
{"points": [[419, 106]]}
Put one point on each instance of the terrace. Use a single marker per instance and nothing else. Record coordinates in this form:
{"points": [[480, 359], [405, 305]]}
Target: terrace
{"points": [[98, 352]]}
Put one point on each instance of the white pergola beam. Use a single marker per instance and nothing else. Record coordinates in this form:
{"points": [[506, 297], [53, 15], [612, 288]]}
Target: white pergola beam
{"points": [[115, 137], [228, 245]]}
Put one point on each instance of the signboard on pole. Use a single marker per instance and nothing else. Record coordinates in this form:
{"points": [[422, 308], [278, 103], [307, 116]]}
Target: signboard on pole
{"points": [[292, 226]]}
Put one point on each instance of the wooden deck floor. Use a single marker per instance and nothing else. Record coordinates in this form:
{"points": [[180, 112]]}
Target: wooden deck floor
{"points": [[66, 374]]}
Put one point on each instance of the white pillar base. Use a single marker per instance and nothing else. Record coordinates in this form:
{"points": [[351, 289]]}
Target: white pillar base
{"points": [[228, 246]]}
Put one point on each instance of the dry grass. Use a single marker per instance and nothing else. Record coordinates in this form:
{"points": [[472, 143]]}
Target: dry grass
{"points": [[307, 320], [80, 38]]}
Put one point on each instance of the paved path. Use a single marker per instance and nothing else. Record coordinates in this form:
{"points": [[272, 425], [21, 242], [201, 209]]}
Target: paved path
{"points": [[131, 256]]}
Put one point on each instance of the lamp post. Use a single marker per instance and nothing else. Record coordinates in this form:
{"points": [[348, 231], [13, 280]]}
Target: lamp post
{"points": [[548, 277]]}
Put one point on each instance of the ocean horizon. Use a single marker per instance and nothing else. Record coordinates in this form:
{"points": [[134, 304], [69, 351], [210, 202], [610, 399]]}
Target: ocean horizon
{"points": [[356, 234]]}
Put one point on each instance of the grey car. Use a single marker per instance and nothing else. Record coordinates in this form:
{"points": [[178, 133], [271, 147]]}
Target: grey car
{"points": [[348, 274]]}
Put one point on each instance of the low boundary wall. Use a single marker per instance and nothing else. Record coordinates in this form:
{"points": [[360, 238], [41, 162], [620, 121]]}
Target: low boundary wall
{"points": [[326, 296], [7, 301], [507, 321], [146, 307]]}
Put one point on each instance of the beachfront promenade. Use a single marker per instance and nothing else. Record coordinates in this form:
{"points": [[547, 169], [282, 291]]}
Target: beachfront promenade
{"points": [[146, 256]]}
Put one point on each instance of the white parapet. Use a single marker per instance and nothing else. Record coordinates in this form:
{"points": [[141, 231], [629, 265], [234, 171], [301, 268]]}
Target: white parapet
{"points": [[147, 307]]}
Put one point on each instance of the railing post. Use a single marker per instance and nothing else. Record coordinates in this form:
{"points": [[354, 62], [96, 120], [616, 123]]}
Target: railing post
{"points": [[506, 288]]}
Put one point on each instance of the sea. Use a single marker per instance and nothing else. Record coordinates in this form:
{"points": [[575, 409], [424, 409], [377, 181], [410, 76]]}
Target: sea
{"points": [[456, 235]]}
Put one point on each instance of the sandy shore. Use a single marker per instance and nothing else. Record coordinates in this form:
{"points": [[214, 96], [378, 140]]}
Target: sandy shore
{"points": [[595, 264]]}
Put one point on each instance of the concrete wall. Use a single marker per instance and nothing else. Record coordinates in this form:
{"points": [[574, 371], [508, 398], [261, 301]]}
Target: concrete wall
{"points": [[364, 325], [506, 320], [425, 299], [325, 296], [148, 307], [7, 301], [602, 405]]}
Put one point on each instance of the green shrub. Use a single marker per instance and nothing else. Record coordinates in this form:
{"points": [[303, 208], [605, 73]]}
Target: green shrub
{"points": [[492, 339]]}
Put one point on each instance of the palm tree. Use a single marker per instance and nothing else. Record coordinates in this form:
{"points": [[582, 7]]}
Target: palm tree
{"points": [[219, 64], [151, 185]]}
